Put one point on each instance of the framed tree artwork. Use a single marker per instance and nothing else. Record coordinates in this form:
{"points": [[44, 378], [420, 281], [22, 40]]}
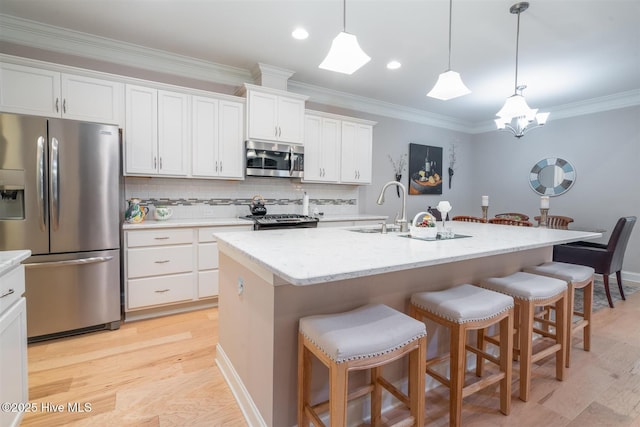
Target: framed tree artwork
{"points": [[425, 169]]}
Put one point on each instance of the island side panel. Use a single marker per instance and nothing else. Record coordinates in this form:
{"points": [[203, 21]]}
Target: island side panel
{"points": [[246, 332], [258, 330]]}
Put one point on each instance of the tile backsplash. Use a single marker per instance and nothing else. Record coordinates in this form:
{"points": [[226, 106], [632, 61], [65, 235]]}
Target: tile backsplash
{"points": [[200, 198]]}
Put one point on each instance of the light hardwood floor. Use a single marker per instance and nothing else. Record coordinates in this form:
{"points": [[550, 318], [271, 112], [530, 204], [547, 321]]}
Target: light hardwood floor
{"points": [[162, 372]]}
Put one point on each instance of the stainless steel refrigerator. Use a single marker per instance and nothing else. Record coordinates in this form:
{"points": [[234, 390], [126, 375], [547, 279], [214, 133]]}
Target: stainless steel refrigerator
{"points": [[60, 198]]}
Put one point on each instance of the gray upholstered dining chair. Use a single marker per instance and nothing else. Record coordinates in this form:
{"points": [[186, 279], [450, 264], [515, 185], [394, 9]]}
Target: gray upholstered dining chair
{"points": [[604, 259]]}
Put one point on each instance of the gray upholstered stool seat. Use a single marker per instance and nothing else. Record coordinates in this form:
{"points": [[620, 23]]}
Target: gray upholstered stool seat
{"points": [[365, 338], [464, 303], [525, 286], [365, 332], [576, 277], [530, 291], [461, 309]]}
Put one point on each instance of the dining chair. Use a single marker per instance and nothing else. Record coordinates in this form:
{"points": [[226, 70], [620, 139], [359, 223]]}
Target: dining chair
{"points": [[513, 215], [604, 259], [466, 218], [510, 221], [556, 221]]}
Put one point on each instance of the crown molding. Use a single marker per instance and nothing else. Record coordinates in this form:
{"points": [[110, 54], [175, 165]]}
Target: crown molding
{"points": [[349, 101], [42, 36], [590, 106]]}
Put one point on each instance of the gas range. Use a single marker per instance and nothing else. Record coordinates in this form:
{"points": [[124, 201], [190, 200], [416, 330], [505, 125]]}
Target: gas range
{"points": [[276, 221]]}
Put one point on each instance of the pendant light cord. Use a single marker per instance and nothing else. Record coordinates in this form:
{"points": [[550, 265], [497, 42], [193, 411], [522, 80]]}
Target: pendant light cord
{"points": [[515, 89], [450, 9], [344, 16]]}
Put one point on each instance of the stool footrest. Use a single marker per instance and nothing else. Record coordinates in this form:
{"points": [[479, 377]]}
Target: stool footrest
{"points": [[438, 376], [546, 352], [479, 385], [544, 333], [394, 391], [484, 355]]}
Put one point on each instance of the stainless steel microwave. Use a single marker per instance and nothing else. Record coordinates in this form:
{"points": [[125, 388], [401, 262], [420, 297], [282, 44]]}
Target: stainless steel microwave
{"points": [[275, 159]]}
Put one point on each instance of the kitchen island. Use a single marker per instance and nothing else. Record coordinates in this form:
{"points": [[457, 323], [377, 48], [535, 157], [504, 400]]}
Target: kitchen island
{"points": [[269, 279]]}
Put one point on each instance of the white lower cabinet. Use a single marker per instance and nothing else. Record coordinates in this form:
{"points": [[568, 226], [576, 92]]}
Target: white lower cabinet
{"points": [[13, 349], [171, 269]]}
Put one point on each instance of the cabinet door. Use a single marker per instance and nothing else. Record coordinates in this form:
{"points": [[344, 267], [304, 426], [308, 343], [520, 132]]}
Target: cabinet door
{"points": [[173, 133], [364, 153], [330, 150], [290, 119], [231, 141], [312, 148], [27, 90], [89, 99], [13, 361], [204, 141], [357, 145], [208, 283], [141, 130], [262, 116], [348, 168]]}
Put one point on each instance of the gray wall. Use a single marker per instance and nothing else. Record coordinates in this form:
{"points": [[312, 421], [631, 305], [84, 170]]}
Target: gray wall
{"points": [[603, 147]]}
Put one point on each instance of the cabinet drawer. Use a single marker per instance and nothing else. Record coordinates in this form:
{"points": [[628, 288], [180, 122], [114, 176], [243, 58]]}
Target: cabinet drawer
{"points": [[207, 256], [158, 261], [12, 286], [159, 237], [159, 290], [205, 234], [207, 283]]}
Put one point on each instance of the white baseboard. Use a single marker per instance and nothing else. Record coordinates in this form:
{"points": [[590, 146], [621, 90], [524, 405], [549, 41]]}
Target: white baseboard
{"points": [[630, 276], [249, 409]]}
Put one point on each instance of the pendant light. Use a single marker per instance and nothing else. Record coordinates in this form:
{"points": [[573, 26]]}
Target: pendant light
{"points": [[515, 115], [449, 84], [345, 56]]}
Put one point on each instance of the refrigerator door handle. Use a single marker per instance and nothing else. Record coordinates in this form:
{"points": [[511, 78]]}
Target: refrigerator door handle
{"points": [[40, 184], [90, 260], [55, 185]]}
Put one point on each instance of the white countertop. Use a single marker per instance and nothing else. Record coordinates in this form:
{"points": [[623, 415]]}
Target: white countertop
{"points": [[221, 222], [10, 258], [319, 255]]}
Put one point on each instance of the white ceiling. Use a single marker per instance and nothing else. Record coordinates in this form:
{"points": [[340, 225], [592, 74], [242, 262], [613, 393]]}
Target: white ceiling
{"points": [[571, 51]]}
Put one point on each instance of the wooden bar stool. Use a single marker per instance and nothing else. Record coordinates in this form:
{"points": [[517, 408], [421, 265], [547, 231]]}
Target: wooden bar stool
{"points": [[365, 338], [576, 277], [530, 291], [461, 309]]}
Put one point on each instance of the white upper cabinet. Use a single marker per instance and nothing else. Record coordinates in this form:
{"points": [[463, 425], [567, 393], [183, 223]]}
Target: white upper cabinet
{"points": [[41, 92], [357, 153], [321, 149], [156, 132], [275, 115], [217, 138]]}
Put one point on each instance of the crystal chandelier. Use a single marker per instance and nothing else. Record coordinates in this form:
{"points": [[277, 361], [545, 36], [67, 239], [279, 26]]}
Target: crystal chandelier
{"points": [[515, 115]]}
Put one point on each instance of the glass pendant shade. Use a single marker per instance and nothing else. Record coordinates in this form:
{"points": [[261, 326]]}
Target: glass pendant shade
{"points": [[448, 86], [516, 106], [345, 56]]}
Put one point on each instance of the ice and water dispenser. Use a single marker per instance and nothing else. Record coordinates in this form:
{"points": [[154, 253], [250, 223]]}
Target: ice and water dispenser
{"points": [[11, 194]]}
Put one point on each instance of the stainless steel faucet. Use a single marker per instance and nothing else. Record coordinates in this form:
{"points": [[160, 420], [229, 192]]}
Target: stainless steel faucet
{"points": [[402, 222]]}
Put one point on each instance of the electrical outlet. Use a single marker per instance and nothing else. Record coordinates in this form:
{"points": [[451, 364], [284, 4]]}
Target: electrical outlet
{"points": [[240, 285]]}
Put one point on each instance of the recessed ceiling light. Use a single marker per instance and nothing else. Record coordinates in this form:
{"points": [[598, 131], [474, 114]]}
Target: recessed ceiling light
{"points": [[394, 65], [300, 34]]}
